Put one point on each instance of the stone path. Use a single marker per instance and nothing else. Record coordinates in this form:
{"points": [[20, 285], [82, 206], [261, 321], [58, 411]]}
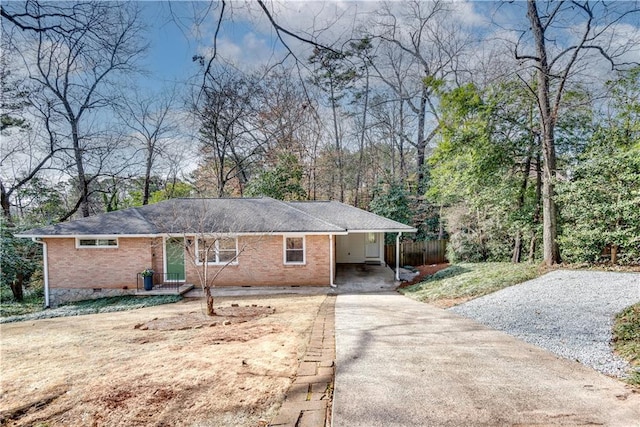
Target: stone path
{"points": [[308, 401]]}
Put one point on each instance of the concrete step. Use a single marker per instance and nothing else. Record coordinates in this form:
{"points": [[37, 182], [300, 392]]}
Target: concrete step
{"points": [[166, 290]]}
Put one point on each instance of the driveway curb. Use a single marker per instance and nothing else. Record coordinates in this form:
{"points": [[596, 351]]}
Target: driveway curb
{"points": [[308, 400]]}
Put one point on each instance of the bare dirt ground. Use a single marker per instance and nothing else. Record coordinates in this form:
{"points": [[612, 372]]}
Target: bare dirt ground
{"points": [[168, 365]]}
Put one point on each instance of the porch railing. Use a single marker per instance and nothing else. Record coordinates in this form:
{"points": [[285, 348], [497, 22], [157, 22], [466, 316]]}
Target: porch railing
{"points": [[161, 281]]}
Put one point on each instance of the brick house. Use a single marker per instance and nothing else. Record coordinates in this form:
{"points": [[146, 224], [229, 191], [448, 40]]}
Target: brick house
{"points": [[242, 241]]}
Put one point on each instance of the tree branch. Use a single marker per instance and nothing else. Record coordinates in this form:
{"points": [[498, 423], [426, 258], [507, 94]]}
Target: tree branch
{"points": [[280, 29]]}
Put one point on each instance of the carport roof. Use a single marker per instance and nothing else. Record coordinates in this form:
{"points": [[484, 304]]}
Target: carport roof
{"points": [[230, 215], [351, 218]]}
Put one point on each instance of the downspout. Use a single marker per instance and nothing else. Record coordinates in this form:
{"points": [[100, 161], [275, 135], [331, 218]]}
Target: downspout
{"points": [[45, 269], [331, 261], [398, 256]]}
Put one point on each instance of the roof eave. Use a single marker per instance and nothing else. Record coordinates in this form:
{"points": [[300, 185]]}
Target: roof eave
{"points": [[189, 233], [76, 235], [384, 230]]}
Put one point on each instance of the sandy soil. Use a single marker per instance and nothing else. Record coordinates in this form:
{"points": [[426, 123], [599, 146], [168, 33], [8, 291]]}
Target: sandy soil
{"points": [[161, 366]]}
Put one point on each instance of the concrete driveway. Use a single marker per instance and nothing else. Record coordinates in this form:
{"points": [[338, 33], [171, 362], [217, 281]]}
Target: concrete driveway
{"points": [[404, 363]]}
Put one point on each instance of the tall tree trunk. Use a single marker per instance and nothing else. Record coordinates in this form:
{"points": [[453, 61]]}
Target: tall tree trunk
{"points": [[536, 213], [403, 164], [220, 171], [440, 225], [362, 138], [83, 185], [147, 174], [17, 287], [551, 254], [334, 109], [421, 143], [517, 246], [6, 205]]}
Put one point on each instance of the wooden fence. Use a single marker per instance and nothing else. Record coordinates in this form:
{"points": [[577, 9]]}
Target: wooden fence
{"points": [[417, 253]]}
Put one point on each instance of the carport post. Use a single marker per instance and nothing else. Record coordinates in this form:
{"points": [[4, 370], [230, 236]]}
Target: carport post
{"points": [[398, 256], [331, 261]]}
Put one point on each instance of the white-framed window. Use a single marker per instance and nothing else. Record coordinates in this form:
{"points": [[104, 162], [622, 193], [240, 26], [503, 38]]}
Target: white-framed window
{"points": [[217, 251], [294, 250], [83, 243]]}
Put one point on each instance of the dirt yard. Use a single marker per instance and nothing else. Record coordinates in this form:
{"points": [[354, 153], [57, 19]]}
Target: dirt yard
{"points": [[168, 365]]}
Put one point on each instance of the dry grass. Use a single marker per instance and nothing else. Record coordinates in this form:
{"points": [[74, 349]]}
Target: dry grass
{"points": [[626, 340], [165, 366], [459, 283]]}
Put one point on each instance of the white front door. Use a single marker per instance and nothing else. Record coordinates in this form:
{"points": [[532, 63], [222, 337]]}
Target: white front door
{"points": [[372, 245]]}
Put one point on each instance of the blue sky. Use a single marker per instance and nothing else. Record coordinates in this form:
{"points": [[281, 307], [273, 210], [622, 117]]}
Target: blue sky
{"points": [[170, 50], [247, 38]]}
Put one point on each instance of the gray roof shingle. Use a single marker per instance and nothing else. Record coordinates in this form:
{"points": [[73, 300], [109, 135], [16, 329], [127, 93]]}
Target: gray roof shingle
{"points": [[350, 218], [241, 215]]}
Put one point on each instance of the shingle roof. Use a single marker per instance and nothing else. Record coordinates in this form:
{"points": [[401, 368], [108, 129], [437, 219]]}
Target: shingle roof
{"points": [[350, 218], [126, 221], [241, 215]]}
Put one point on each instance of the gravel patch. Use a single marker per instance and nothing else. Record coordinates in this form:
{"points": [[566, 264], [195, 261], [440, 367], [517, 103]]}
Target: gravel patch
{"points": [[569, 313]]}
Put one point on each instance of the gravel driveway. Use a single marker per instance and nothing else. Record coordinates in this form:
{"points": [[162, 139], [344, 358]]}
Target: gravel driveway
{"points": [[569, 313]]}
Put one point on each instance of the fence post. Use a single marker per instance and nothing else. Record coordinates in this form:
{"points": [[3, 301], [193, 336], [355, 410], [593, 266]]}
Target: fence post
{"points": [[398, 256]]}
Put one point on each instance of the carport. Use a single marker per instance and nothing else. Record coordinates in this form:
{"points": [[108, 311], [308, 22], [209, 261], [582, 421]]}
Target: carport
{"points": [[363, 242], [360, 248]]}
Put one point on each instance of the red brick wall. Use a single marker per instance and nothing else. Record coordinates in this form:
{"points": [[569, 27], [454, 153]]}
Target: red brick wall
{"points": [[100, 267], [261, 263], [157, 254]]}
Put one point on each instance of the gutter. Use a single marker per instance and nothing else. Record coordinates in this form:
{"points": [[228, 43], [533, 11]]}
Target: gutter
{"points": [[45, 269]]}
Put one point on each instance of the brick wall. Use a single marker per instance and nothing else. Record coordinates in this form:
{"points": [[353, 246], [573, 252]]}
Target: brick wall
{"points": [[261, 263], [157, 254], [100, 267], [97, 272]]}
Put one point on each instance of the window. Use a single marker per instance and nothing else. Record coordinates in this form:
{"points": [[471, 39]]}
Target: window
{"points": [[294, 250], [217, 251], [96, 243]]}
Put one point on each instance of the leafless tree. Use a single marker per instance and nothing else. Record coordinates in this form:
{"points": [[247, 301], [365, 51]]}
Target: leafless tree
{"points": [[152, 128], [211, 243], [287, 122], [77, 51], [226, 114], [433, 43], [201, 248], [29, 146]]}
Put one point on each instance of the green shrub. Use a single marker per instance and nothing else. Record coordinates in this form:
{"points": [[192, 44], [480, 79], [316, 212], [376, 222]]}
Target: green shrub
{"points": [[626, 339]]}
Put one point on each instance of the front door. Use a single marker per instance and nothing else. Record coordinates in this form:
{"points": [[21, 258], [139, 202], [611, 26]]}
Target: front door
{"points": [[175, 258], [372, 246]]}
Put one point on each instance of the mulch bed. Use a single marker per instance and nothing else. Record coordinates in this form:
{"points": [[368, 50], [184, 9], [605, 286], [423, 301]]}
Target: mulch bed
{"points": [[195, 320], [425, 271]]}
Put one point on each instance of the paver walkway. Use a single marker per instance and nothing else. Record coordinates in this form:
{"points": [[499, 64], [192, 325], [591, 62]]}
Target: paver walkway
{"points": [[308, 401], [404, 363]]}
